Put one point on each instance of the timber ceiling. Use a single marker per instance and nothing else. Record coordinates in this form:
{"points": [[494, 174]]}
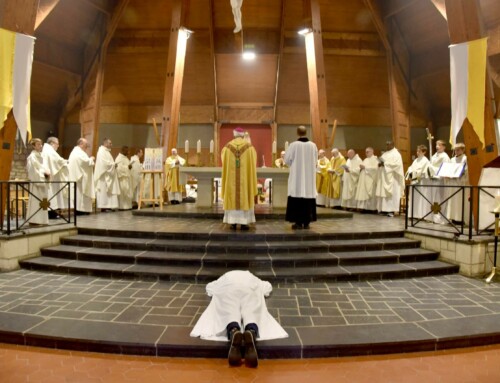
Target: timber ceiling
{"points": [[355, 60]]}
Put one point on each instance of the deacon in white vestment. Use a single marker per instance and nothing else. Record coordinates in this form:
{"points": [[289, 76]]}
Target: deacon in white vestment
{"points": [[301, 158], [123, 172], [81, 171], [136, 173], [418, 174], [365, 192], [454, 204], [37, 172], [105, 177], [350, 179], [58, 168], [238, 300], [438, 194], [390, 181]]}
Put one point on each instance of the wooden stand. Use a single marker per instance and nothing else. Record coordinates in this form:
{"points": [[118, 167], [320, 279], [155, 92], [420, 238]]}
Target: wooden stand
{"points": [[152, 198]]}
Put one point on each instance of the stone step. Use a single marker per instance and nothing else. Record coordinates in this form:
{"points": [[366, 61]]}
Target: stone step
{"points": [[207, 273], [212, 246]]}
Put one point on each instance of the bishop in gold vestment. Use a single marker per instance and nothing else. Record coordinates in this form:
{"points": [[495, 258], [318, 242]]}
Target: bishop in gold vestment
{"points": [[173, 185], [239, 181], [336, 172]]}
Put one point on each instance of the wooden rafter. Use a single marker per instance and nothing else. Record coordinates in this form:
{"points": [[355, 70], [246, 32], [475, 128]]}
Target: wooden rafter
{"points": [[280, 57], [44, 9]]}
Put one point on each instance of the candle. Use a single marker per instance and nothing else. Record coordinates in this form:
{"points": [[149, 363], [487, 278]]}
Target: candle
{"points": [[186, 146], [211, 146], [286, 146], [497, 204], [198, 146], [274, 147]]}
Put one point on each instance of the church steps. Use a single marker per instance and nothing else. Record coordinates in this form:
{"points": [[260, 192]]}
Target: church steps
{"points": [[294, 256]]}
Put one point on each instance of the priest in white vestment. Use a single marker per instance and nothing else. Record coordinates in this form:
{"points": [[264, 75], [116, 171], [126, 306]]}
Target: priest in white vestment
{"points": [[365, 192], [418, 174], [136, 174], [238, 301], [124, 174], [81, 171], [454, 204], [105, 177], [390, 181], [350, 179], [58, 168], [38, 174], [438, 194], [301, 158]]}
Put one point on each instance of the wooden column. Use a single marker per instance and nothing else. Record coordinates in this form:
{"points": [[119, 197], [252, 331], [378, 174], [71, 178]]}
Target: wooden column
{"points": [[17, 16], [316, 78], [173, 82], [398, 70], [93, 79], [464, 24]]}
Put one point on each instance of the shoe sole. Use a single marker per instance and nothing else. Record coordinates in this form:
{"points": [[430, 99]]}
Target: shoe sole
{"points": [[234, 355], [251, 358]]}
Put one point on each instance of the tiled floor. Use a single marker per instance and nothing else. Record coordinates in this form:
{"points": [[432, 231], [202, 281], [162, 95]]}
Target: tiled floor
{"points": [[21, 364]]}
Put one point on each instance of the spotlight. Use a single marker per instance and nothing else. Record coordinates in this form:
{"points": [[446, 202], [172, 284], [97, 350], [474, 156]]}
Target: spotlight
{"points": [[304, 31], [248, 55]]}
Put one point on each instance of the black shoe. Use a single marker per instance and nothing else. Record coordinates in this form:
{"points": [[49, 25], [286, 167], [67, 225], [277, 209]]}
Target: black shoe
{"points": [[244, 227], [234, 355], [251, 358], [233, 226], [296, 226], [306, 226]]}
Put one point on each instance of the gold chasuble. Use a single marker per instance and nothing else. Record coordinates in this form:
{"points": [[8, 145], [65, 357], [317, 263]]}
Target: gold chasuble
{"points": [[172, 181], [322, 176], [334, 184], [239, 175]]}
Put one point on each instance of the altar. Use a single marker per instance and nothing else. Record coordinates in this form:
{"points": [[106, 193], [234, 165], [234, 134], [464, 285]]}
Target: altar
{"points": [[206, 175]]}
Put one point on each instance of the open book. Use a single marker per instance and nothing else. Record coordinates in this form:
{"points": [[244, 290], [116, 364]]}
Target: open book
{"points": [[451, 170]]}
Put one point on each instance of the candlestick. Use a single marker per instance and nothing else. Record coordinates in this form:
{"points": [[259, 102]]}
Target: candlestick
{"points": [[497, 204], [186, 146], [274, 147], [198, 146], [286, 146], [211, 146]]}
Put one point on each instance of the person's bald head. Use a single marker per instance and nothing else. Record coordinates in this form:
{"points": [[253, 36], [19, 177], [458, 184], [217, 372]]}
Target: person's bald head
{"points": [[335, 152], [301, 131], [351, 153], [321, 153]]}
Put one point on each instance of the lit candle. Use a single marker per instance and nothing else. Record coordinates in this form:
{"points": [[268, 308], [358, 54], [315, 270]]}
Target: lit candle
{"points": [[198, 146], [274, 147], [211, 146], [186, 146], [286, 146]]}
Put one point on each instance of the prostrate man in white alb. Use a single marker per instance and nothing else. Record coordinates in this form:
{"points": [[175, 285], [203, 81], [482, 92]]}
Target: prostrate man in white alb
{"points": [[365, 192], [124, 175], [81, 171], [390, 181], [58, 168], [106, 180], [136, 172], [350, 180]]}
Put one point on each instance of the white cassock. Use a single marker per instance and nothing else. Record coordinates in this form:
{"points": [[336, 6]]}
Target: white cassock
{"points": [[81, 168], [454, 204], [418, 173], [136, 174], [106, 180], [237, 296], [390, 182], [350, 182], [124, 181], [39, 191], [437, 194], [58, 168], [365, 193]]}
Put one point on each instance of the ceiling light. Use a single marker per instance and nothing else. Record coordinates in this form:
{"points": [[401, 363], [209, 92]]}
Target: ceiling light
{"points": [[304, 31], [248, 55]]}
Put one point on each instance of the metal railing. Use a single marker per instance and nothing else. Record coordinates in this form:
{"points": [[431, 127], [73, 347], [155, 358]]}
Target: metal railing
{"points": [[16, 195], [472, 199]]}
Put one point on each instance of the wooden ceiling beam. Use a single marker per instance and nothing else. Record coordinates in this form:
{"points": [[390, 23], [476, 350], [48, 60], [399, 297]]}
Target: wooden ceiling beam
{"points": [[393, 9], [441, 7], [59, 56], [44, 9], [422, 66], [100, 8], [494, 41]]}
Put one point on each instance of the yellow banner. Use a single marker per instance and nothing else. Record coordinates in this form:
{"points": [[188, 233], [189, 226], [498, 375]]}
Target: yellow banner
{"points": [[7, 47]]}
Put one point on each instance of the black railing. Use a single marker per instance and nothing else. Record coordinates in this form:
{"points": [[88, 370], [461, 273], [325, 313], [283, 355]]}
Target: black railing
{"points": [[470, 197], [16, 195]]}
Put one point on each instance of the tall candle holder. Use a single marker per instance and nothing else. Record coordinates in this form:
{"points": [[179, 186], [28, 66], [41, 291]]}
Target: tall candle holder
{"points": [[186, 154]]}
